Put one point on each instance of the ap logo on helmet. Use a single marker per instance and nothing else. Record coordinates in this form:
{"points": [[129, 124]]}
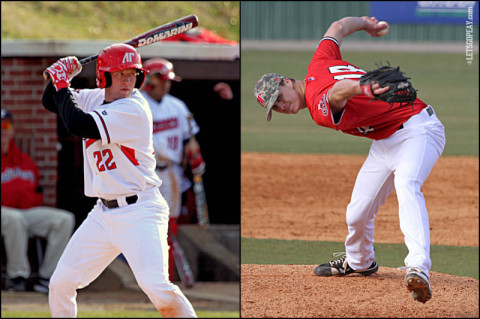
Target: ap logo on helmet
{"points": [[128, 57]]}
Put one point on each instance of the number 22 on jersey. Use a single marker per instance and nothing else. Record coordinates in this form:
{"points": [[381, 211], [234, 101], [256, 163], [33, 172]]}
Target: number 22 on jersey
{"points": [[106, 157]]}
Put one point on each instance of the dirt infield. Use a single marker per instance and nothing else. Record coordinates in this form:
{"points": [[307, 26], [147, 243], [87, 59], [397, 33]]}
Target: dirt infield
{"points": [[295, 292], [304, 197]]}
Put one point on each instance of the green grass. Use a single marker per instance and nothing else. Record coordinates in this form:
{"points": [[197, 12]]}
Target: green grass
{"points": [[445, 81], [117, 314], [115, 20], [445, 259]]}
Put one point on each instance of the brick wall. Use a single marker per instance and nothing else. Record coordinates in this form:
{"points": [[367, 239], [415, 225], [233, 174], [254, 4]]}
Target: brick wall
{"points": [[22, 88]]}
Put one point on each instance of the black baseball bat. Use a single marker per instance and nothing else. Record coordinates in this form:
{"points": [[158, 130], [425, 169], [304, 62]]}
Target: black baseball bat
{"points": [[155, 35]]}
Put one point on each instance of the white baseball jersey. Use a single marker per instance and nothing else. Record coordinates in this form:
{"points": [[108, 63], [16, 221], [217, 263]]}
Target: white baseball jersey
{"points": [[122, 162], [170, 127]]}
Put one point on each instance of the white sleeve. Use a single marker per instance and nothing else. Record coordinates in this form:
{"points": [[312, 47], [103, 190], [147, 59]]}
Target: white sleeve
{"points": [[88, 99], [123, 123]]}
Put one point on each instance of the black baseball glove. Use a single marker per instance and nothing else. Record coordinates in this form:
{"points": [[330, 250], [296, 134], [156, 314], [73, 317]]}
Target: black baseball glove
{"points": [[400, 89]]}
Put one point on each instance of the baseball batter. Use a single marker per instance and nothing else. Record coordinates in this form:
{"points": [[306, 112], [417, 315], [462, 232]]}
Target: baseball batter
{"points": [[171, 132], [130, 216], [407, 141]]}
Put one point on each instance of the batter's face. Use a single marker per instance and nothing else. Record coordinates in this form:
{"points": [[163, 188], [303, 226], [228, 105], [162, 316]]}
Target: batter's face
{"points": [[288, 100], [123, 83], [158, 87]]}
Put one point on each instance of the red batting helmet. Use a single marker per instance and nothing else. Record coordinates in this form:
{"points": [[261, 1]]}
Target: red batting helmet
{"points": [[115, 58], [163, 67]]}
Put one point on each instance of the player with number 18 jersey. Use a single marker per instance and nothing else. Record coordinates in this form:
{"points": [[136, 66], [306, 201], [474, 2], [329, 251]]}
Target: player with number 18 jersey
{"points": [[407, 140], [361, 116]]}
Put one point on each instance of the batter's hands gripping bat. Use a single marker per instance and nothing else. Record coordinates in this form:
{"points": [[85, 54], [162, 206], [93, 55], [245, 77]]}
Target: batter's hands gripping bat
{"points": [[155, 35], [198, 189], [181, 262]]}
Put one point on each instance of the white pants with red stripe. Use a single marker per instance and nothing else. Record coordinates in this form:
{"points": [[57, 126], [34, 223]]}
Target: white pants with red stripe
{"points": [[402, 162], [139, 231]]}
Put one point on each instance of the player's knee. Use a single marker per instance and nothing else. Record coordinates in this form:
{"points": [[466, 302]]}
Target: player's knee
{"points": [[62, 280], [355, 220], [65, 220], [14, 222], [68, 220], [151, 286], [57, 280], [357, 212], [407, 184]]}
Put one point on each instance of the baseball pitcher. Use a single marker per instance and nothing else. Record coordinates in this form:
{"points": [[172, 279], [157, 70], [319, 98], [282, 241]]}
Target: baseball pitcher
{"points": [[407, 139], [130, 216]]}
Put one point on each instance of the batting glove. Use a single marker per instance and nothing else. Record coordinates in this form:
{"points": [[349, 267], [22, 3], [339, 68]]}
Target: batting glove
{"points": [[63, 71], [195, 158], [198, 165]]}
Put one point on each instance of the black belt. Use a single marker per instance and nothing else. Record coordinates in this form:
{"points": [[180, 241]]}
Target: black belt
{"points": [[114, 204], [429, 111]]}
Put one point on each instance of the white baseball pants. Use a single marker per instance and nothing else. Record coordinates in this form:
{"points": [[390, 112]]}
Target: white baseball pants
{"points": [[402, 162], [139, 231]]}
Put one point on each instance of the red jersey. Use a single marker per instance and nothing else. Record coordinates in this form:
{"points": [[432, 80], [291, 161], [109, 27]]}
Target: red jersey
{"points": [[361, 116], [20, 179]]}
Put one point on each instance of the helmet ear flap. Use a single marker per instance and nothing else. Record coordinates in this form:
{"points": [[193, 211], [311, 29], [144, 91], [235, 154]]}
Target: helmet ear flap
{"points": [[140, 78], [104, 79], [108, 79]]}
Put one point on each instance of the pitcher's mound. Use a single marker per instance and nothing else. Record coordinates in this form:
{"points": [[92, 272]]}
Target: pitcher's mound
{"points": [[288, 291]]}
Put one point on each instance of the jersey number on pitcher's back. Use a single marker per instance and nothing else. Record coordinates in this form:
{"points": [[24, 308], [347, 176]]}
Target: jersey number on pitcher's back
{"points": [[346, 68]]}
